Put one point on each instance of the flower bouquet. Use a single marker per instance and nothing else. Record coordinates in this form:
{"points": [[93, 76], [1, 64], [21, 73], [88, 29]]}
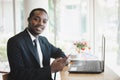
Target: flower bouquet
{"points": [[81, 46]]}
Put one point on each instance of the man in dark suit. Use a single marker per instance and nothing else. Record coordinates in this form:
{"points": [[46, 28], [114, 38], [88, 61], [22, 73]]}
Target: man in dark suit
{"points": [[28, 62]]}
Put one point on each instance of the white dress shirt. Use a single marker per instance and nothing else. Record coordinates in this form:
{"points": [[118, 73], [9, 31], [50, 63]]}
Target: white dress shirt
{"points": [[38, 48]]}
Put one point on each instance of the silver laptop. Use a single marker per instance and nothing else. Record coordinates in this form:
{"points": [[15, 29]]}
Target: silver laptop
{"points": [[89, 66]]}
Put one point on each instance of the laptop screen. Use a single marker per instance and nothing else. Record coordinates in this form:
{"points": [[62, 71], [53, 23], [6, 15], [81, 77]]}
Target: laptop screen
{"points": [[103, 47]]}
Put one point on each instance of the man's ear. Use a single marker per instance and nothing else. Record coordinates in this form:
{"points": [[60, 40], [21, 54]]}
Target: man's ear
{"points": [[28, 19]]}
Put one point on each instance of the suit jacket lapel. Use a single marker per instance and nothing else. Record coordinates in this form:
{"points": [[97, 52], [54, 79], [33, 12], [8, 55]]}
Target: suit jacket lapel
{"points": [[45, 55], [30, 46]]}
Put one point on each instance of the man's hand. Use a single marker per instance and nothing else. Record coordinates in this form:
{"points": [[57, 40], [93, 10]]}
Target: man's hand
{"points": [[58, 64]]}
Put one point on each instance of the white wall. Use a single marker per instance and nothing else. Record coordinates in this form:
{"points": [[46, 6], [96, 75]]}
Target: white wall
{"points": [[31, 4]]}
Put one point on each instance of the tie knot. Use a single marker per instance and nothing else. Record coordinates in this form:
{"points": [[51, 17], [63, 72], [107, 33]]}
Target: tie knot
{"points": [[35, 42]]}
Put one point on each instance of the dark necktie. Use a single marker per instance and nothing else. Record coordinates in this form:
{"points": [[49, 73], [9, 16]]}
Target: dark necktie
{"points": [[35, 43], [38, 54], [35, 46]]}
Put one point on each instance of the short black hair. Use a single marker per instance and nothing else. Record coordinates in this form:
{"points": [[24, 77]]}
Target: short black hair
{"points": [[36, 9]]}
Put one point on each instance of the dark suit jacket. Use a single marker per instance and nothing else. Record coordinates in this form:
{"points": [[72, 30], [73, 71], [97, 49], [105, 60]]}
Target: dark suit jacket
{"points": [[23, 61]]}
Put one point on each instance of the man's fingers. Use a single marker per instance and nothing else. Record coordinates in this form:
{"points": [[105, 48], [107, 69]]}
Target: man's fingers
{"points": [[61, 60], [58, 59]]}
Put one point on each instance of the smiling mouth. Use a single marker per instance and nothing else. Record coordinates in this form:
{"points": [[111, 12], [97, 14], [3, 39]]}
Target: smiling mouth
{"points": [[39, 28]]}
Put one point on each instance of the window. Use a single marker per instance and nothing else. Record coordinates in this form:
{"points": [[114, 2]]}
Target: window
{"points": [[9, 26], [107, 23], [87, 20], [70, 22]]}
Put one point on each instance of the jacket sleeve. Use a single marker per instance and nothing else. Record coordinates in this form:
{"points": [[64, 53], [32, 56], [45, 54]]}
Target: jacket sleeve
{"points": [[55, 52]]}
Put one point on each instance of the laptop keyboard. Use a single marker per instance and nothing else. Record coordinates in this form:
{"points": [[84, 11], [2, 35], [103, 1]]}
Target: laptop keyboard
{"points": [[87, 65], [95, 65]]}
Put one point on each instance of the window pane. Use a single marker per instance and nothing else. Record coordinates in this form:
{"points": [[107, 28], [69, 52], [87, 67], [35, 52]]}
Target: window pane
{"points": [[106, 22], [8, 27], [70, 22]]}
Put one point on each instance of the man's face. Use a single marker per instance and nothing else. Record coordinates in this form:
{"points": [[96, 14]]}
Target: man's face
{"points": [[37, 22]]}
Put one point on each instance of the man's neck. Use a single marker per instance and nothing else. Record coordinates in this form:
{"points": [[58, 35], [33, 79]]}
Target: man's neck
{"points": [[32, 33]]}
